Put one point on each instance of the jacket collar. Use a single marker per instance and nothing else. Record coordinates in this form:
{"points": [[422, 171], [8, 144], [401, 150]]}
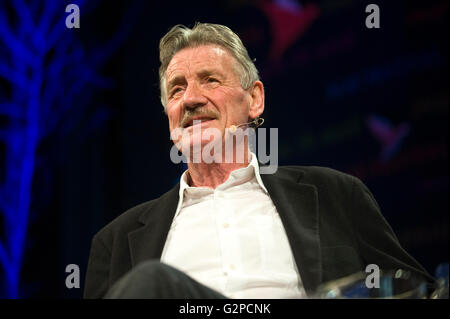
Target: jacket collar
{"points": [[296, 202]]}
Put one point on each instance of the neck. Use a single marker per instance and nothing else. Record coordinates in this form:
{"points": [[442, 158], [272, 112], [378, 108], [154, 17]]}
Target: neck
{"points": [[213, 174]]}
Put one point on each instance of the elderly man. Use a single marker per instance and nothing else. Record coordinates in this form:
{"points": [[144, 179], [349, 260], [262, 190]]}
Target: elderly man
{"points": [[227, 231]]}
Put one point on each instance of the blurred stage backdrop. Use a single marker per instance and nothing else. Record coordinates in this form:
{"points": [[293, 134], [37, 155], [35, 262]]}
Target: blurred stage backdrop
{"points": [[83, 136]]}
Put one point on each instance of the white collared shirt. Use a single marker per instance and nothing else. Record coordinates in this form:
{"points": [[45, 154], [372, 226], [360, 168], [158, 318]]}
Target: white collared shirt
{"points": [[232, 240]]}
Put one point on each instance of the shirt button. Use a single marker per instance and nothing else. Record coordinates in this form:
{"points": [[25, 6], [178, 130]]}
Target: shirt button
{"points": [[220, 195]]}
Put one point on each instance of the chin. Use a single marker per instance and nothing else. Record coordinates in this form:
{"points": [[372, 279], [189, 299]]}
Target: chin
{"points": [[199, 148]]}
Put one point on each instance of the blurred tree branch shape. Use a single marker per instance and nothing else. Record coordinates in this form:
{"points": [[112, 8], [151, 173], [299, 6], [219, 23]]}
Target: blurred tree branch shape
{"points": [[46, 69]]}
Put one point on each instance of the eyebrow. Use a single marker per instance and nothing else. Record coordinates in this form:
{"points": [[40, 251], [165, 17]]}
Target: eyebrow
{"points": [[207, 72]]}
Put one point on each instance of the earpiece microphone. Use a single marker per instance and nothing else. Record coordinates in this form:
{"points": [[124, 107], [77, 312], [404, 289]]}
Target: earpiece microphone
{"points": [[255, 123]]}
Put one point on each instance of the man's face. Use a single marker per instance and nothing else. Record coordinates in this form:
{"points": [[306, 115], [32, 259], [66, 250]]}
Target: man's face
{"points": [[202, 84]]}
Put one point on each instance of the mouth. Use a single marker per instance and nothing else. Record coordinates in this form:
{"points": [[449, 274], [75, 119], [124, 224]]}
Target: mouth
{"points": [[198, 120]]}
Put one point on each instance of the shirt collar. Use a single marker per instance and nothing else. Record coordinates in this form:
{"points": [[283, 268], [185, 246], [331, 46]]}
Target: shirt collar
{"points": [[238, 175]]}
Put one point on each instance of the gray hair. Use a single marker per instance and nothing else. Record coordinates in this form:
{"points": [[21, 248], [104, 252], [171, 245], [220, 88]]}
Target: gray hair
{"points": [[181, 37]]}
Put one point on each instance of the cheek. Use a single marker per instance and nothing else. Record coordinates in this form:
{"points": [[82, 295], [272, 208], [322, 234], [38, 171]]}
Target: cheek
{"points": [[174, 116], [172, 124], [233, 101], [237, 108]]}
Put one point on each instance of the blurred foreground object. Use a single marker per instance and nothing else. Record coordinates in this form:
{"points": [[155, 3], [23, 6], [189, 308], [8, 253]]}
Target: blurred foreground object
{"points": [[394, 284], [441, 275]]}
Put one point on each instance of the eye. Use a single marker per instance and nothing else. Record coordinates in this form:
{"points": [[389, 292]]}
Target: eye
{"points": [[212, 80], [175, 90]]}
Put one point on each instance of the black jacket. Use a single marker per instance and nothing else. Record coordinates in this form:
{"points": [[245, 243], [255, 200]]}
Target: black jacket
{"points": [[333, 224]]}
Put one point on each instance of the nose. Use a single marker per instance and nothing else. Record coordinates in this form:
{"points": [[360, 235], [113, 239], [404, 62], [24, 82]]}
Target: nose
{"points": [[193, 96]]}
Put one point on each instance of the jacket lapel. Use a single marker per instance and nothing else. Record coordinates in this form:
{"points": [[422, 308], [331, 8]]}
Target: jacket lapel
{"points": [[297, 204], [147, 242]]}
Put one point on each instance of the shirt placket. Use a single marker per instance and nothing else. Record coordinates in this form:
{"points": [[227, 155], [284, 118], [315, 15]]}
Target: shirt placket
{"points": [[228, 240]]}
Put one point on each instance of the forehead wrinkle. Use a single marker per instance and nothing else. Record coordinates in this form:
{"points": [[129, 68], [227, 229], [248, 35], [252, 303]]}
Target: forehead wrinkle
{"points": [[175, 65], [188, 58]]}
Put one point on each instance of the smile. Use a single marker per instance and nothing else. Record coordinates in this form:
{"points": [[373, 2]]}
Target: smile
{"points": [[198, 121]]}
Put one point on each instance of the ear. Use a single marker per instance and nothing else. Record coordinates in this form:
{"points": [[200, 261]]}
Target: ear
{"points": [[256, 107]]}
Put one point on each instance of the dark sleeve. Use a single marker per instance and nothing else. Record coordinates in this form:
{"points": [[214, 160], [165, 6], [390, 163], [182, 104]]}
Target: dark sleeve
{"points": [[97, 275], [376, 239]]}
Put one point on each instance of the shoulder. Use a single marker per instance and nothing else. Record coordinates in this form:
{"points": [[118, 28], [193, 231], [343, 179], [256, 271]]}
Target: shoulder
{"points": [[124, 223], [317, 175], [136, 216], [329, 183]]}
